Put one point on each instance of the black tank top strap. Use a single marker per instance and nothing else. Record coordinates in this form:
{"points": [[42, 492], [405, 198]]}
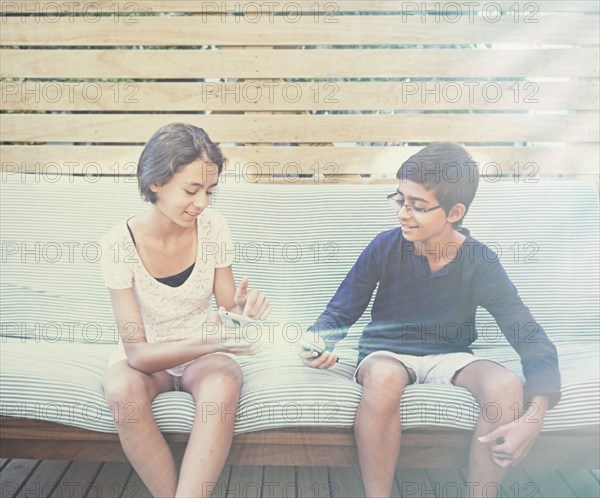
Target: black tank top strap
{"points": [[173, 280]]}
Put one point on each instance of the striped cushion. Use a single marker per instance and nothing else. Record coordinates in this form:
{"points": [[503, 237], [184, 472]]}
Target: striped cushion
{"points": [[295, 242], [63, 383]]}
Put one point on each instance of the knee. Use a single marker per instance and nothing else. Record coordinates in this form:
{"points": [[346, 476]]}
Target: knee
{"points": [[222, 377], [128, 388], [504, 387], [228, 378], [385, 381]]}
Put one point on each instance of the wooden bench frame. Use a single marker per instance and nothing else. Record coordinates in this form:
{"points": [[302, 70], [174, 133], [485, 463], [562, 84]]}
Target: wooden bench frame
{"points": [[427, 447]]}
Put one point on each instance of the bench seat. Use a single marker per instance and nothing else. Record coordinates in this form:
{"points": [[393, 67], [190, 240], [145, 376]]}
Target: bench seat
{"points": [[57, 320]]}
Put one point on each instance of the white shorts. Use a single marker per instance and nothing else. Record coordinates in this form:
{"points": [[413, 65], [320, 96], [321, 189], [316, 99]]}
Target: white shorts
{"points": [[429, 369], [175, 372]]}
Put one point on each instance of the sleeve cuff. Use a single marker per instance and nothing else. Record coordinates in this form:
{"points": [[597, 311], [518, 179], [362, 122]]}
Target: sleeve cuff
{"points": [[327, 335], [554, 395]]}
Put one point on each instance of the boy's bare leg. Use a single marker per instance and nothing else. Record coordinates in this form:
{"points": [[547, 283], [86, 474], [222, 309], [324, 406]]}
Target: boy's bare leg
{"points": [[377, 424], [499, 390], [215, 382], [129, 394]]}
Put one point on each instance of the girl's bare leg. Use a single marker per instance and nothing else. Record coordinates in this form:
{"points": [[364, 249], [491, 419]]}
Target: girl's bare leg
{"points": [[129, 394], [215, 382]]}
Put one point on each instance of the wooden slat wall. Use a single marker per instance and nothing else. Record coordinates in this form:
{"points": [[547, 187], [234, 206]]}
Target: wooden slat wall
{"points": [[92, 160], [251, 6], [337, 88], [303, 30], [406, 63], [348, 128], [318, 96]]}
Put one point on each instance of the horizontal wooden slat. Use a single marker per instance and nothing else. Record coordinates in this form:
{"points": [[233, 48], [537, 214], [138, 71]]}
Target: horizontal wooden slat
{"points": [[568, 29], [286, 96], [127, 7], [326, 63], [247, 162], [122, 128], [430, 446]]}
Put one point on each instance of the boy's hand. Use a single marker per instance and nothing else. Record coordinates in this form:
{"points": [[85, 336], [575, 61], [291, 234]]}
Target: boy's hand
{"points": [[312, 358], [510, 443], [326, 360], [251, 303]]}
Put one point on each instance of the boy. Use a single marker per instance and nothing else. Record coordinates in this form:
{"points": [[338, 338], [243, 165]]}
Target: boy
{"points": [[430, 272]]}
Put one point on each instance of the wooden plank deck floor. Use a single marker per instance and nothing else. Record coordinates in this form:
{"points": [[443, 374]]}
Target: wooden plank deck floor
{"points": [[55, 478]]}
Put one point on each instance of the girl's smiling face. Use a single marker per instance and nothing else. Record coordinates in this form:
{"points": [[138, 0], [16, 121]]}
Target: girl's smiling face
{"points": [[183, 198]]}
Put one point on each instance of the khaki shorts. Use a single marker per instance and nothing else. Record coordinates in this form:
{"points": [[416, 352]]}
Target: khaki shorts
{"points": [[429, 369]]}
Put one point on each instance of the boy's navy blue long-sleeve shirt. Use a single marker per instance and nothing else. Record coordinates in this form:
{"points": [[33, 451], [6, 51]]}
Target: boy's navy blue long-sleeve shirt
{"points": [[417, 312]]}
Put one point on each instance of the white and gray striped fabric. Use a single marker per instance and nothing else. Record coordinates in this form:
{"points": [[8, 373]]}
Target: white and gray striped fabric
{"points": [[296, 243]]}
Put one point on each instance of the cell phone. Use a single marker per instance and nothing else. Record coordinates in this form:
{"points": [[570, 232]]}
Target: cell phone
{"points": [[234, 320], [309, 346]]}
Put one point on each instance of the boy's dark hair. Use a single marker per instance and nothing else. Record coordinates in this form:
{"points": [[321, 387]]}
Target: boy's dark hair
{"points": [[168, 150], [447, 169]]}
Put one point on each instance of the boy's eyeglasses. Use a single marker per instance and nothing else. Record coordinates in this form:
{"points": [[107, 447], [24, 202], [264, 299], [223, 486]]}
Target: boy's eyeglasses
{"points": [[398, 202]]}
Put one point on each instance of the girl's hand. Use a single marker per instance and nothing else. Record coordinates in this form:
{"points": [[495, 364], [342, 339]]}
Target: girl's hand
{"points": [[233, 340], [251, 303], [242, 348]]}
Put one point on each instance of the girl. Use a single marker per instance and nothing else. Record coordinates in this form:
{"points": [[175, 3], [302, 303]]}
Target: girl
{"points": [[162, 268]]}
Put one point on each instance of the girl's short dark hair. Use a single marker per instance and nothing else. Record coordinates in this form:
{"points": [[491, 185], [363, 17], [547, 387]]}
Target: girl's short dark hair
{"points": [[448, 170], [169, 150]]}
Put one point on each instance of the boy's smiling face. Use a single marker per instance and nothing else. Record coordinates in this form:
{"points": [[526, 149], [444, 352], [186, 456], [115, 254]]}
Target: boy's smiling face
{"points": [[421, 218]]}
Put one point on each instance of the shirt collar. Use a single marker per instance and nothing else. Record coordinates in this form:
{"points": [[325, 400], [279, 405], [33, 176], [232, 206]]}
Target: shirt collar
{"points": [[409, 248]]}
